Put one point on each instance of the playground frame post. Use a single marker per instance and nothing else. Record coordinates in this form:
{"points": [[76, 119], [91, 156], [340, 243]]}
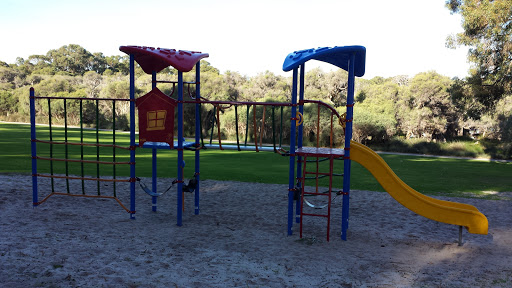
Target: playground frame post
{"points": [[300, 140], [132, 136], [197, 136], [33, 146], [291, 178], [348, 138], [154, 160], [181, 164]]}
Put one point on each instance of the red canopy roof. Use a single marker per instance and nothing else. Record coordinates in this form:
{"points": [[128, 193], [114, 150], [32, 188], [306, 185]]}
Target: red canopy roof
{"points": [[155, 59]]}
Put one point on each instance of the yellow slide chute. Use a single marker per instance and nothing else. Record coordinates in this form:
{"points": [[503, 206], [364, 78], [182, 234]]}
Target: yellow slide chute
{"points": [[438, 210]]}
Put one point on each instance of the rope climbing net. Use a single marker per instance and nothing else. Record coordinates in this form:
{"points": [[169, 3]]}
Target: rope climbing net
{"points": [[71, 153]]}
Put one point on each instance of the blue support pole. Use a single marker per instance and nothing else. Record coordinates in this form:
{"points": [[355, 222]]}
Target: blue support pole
{"points": [[132, 136], [348, 138], [299, 140], [154, 158], [291, 177], [198, 135], [33, 146], [179, 213]]}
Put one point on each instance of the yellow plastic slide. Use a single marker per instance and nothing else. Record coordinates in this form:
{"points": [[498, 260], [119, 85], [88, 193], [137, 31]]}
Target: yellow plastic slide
{"points": [[438, 210]]}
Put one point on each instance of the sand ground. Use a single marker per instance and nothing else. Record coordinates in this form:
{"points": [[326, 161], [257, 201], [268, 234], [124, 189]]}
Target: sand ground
{"points": [[240, 240]]}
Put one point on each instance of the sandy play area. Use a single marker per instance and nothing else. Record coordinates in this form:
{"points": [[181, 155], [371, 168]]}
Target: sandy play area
{"points": [[240, 240]]}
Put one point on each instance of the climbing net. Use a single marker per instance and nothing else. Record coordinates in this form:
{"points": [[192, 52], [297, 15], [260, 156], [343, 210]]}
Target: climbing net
{"points": [[69, 153]]}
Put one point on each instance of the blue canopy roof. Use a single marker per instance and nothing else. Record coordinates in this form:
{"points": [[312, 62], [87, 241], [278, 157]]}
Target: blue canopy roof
{"points": [[338, 56]]}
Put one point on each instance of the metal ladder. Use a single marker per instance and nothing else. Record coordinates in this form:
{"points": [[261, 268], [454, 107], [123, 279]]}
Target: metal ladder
{"points": [[316, 192]]}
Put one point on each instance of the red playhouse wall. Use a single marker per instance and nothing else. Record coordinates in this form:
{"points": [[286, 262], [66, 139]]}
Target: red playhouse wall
{"points": [[156, 117]]}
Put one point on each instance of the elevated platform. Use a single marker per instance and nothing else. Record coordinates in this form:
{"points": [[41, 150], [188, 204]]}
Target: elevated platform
{"points": [[242, 147], [163, 145], [320, 152]]}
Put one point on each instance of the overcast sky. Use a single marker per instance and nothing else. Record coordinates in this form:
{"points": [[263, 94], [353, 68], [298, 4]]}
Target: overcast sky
{"points": [[402, 37]]}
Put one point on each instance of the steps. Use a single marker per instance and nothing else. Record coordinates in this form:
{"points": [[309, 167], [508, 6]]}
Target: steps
{"points": [[330, 155]]}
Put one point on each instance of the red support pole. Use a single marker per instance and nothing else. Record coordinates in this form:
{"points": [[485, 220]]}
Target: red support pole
{"points": [[255, 128], [331, 135], [218, 128], [331, 168], [302, 195], [262, 128]]}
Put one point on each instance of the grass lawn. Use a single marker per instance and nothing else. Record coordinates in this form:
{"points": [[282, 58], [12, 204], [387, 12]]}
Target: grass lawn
{"points": [[427, 175]]}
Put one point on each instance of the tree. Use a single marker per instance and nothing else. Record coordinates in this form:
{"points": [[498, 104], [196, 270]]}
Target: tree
{"points": [[425, 109], [8, 103], [92, 82], [314, 85], [266, 85], [374, 115], [488, 33], [337, 87], [118, 64], [234, 82], [98, 63], [7, 76], [207, 67], [330, 87], [71, 58], [118, 90], [34, 79]]}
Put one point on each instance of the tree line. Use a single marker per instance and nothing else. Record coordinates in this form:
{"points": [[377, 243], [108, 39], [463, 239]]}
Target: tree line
{"points": [[427, 105]]}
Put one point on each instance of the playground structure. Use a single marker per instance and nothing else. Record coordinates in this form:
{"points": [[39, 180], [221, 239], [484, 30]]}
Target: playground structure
{"points": [[156, 131]]}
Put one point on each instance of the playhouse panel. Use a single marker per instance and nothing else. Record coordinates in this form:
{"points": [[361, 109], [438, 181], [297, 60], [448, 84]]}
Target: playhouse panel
{"points": [[156, 117]]}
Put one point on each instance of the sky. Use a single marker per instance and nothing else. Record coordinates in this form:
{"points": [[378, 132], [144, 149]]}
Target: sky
{"points": [[402, 37]]}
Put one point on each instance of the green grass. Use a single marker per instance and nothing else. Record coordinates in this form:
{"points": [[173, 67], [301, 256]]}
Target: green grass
{"points": [[461, 147], [427, 175]]}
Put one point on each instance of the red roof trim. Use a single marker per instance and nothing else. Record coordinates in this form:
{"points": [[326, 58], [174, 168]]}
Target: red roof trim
{"points": [[156, 59]]}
